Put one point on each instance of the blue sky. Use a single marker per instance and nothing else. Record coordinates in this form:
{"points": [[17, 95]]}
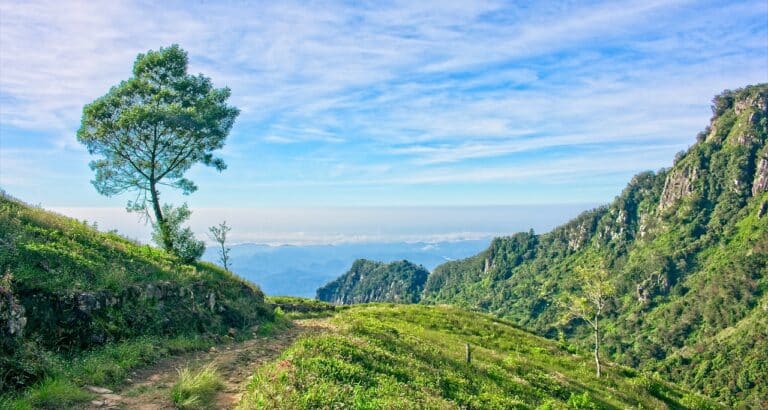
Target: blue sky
{"points": [[387, 103]]}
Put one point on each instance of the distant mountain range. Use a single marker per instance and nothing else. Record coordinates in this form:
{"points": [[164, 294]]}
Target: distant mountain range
{"points": [[295, 270]]}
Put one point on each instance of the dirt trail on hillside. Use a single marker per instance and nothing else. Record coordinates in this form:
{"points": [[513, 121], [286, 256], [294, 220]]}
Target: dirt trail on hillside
{"points": [[149, 388]]}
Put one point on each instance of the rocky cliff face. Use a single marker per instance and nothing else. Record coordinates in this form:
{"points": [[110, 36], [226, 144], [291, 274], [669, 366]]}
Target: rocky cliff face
{"points": [[679, 183]]}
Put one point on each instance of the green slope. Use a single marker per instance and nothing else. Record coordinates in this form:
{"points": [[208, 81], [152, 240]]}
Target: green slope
{"points": [[66, 287], [688, 247], [413, 356], [370, 281]]}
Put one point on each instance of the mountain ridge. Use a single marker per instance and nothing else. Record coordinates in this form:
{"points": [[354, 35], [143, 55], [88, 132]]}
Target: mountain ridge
{"points": [[688, 249]]}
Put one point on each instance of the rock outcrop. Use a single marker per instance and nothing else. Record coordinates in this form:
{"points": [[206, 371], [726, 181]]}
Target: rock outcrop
{"points": [[760, 183], [679, 183]]}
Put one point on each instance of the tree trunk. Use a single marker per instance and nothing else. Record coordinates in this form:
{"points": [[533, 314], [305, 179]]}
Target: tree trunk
{"points": [[597, 349], [224, 256], [159, 220]]}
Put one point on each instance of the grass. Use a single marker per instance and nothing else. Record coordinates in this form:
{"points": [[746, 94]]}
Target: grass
{"points": [[53, 252], [106, 366], [52, 393], [302, 308], [410, 356], [196, 389]]}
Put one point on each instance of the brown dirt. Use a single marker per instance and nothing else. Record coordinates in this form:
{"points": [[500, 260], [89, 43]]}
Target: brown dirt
{"points": [[149, 388]]}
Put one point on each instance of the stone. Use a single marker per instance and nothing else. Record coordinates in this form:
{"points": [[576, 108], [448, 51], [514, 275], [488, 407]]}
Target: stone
{"points": [[211, 301], [98, 390], [760, 183]]}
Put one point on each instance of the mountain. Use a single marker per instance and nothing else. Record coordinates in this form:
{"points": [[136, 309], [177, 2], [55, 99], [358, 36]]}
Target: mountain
{"points": [[414, 357], [298, 270], [363, 283], [688, 251], [687, 248]]}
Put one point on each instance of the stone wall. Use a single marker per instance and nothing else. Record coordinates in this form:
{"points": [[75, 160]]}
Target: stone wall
{"points": [[78, 320]]}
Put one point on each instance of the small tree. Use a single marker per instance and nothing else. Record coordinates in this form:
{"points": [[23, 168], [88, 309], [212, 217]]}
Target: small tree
{"points": [[589, 305], [185, 245], [150, 129], [218, 234]]}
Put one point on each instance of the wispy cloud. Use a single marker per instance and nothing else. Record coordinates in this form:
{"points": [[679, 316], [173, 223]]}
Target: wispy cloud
{"points": [[396, 94]]}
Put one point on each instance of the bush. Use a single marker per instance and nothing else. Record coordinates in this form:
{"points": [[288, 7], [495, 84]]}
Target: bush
{"points": [[185, 246]]}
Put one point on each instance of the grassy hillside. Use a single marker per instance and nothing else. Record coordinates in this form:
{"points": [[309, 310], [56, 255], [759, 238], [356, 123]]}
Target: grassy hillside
{"points": [[48, 251], [412, 356], [688, 249], [370, 281], [66, 288]]}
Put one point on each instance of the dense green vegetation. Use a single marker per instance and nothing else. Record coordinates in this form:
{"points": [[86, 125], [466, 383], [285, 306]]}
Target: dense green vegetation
{"points": [[688, 251], [369, 281], [298, 307], [413, 356], [67, 288]]}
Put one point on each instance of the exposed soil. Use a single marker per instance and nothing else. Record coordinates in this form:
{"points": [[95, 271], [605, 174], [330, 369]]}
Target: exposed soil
{"points": [[149, 388]]}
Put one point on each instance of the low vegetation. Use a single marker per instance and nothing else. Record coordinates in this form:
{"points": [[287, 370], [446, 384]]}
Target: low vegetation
{"points": [[297, 307], [196, 389], [105, 366], [410, 356]]}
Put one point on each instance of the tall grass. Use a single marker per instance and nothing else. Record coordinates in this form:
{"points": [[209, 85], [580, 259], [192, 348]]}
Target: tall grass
{"points": [[196, 389], [104, 366]]}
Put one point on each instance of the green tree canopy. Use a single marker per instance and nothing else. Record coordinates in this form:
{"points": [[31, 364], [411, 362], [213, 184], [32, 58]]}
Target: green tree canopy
{"points": [[150, 129]]}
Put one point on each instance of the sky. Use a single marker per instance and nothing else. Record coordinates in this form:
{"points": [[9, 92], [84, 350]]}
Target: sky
{"points": [[384, 105]]}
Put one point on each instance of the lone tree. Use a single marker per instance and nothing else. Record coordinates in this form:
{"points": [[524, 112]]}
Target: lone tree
{"points": [[596, 290], [150, 129], [218, 234]]}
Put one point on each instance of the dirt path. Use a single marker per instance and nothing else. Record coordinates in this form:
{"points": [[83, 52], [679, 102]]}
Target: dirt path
{"points": [[149, 388]]}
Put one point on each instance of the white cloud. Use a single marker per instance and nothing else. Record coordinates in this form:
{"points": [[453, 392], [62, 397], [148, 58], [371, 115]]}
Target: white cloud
{"points": [[390, 86]]}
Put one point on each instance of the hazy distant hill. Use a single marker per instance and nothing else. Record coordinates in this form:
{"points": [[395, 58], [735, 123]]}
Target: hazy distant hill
{"points": [[300, 270]]}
